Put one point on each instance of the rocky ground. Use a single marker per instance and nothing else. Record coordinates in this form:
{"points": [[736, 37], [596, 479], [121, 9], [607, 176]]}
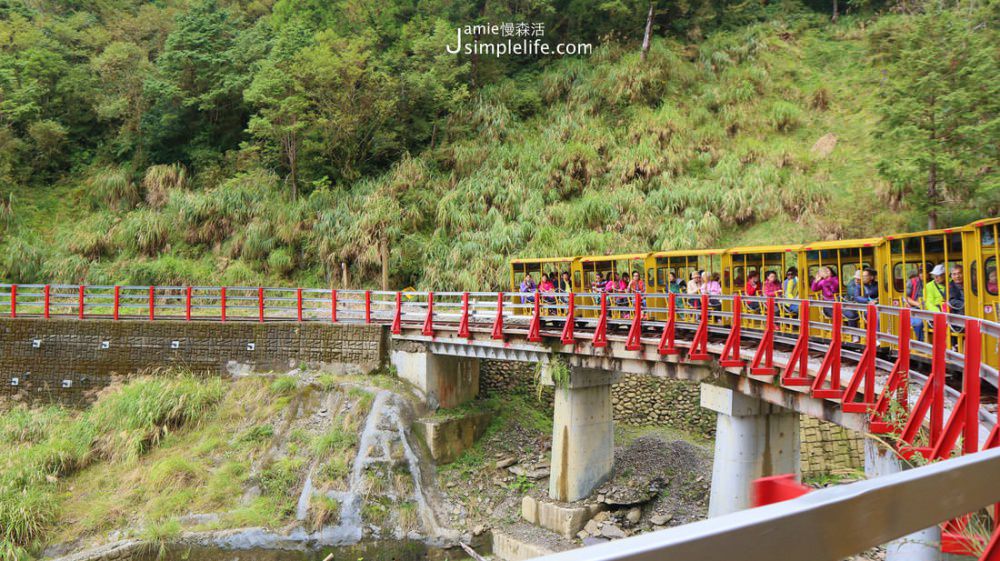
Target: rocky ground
{"points": [[659, 480]]}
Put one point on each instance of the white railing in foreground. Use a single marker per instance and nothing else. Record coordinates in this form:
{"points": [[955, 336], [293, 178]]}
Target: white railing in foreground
{"points": [[825, 525]]}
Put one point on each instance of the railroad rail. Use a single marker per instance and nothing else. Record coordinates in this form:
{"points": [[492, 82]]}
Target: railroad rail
{"points": [[868, 364]]}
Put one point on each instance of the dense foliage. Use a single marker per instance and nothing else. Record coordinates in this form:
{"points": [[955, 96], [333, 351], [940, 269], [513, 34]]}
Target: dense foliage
{"points": [[253, 141]]}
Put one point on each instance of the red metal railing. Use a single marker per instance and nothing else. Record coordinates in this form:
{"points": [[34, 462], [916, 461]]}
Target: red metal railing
{"points": [[743, 332]]}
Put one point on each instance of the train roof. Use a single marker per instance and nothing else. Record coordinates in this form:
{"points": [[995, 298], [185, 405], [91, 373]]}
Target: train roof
{"points": [[616, 257], [844, 244], [532, 260], [779, 248], [686, 252]]}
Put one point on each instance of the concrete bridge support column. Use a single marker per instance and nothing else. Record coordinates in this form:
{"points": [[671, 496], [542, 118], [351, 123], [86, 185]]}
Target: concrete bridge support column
{"points": [[752, 439], [924, 545], [583, 437], [445, 381]]}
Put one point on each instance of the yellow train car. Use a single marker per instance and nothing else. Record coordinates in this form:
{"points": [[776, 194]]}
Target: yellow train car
{"points": [[843, 257], [982, 251], [909, 258], [519, 268], [740, 262], [681, 263], [585, 270]]}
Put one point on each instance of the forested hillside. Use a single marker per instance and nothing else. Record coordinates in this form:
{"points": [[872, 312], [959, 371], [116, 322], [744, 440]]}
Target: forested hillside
{"points": [[269, 141]]}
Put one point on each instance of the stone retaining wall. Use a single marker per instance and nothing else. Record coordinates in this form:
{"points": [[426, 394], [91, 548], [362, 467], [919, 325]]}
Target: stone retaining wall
{"points": [[68, 361], [646, 400]]}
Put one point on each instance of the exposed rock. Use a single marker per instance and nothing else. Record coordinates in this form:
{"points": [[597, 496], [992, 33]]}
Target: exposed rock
{"points": [[593, 540], [506, 462], [825, 145], [634, 515], [537, 473], [612, 532], [601, 516], [593, 527], [660, 519]]}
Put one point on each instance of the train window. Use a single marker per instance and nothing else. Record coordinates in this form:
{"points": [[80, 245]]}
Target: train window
{"points": [[576, 281], [990, 268], [850, 268], [987, 236]]}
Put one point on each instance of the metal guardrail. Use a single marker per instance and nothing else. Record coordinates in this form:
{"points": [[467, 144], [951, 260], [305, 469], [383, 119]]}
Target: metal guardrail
{"points": [[825, 525], [654, 323]]}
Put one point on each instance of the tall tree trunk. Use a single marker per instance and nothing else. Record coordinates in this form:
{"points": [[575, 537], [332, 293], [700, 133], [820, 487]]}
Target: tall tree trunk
{"points": [[836, 12], [647, 37], [933, 195], [383, 250], [343, 274]]}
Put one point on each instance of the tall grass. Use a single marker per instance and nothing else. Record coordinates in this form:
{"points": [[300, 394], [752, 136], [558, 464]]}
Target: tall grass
{"points": [[42, 446]]}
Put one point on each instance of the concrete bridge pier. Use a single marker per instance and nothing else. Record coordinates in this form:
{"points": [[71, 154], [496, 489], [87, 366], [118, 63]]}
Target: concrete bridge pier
{"points": [[583, 437], [444, 380], [752, 439], [924, 545]]}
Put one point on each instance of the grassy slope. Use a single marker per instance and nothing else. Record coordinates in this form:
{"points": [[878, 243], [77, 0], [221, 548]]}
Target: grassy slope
{"points": [[706, 145]]}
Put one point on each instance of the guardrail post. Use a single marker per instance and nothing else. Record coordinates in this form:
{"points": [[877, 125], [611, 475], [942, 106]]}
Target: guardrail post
{"points": [[765, 352], [498, 322], [428, 329], [187, 303], [13, 300], [634, 340], [397, 320], [798, 361], [368, 306], [568, 336], [152, 303], [298, 304], [222, 302], [865, 370], [46, 297], [831, 362], [117, 302], [899, 378], [964, 419], [601, 331], [333, 306], [731, 351], [667, 345], [535, 327], [699, 344], [463, 322], [80, 303], [931, 396], [260, 304]]}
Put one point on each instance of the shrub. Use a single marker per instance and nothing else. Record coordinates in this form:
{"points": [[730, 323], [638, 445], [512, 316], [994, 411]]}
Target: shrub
{"points": [[113, 187], [143, 231], [281, 261], [785, 116], [160, 179]]}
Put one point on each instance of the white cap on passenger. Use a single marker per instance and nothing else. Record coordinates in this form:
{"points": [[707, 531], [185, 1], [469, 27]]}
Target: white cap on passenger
{"points": [[938, 270]]}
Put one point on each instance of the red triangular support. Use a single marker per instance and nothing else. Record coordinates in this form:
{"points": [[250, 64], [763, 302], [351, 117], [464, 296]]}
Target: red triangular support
{"points": [[731, 352], [765, 352], [667, 346], [463, 322], [964, 419], [897, 385], [799, 359], [992, 551], [931, 396], [634, 341], [831, 362], [568, 337], [397, 320], [699, 344], [498, 322], [428, 329], [865, 370], [601, 331], [535, 327]]}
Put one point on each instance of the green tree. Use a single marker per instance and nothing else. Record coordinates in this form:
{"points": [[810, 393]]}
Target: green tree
{"points": [[941, 110]]}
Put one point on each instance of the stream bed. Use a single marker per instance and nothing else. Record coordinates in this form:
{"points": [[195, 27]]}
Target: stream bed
{"points": [[370, 551]]}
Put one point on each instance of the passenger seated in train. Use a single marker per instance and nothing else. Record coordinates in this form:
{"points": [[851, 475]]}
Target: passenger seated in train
{"points": [[693, 288], [713, 288], [853, 292], [752, 288], [546, 286], [827, 285], [863, 292], [991, 281], [599, 283], [564, 284], [933, 299], [956, 292], [772, 286], [790, 289], [528, 286], [674, 285]]}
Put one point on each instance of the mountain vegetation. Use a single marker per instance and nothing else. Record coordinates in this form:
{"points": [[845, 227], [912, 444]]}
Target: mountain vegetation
{"points": [[301, 142]]}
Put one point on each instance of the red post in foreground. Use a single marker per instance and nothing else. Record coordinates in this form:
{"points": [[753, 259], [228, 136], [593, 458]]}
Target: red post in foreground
{"points": [[81, 300], [13, 300], [222, 302], [46, 296], [114, 313]]}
